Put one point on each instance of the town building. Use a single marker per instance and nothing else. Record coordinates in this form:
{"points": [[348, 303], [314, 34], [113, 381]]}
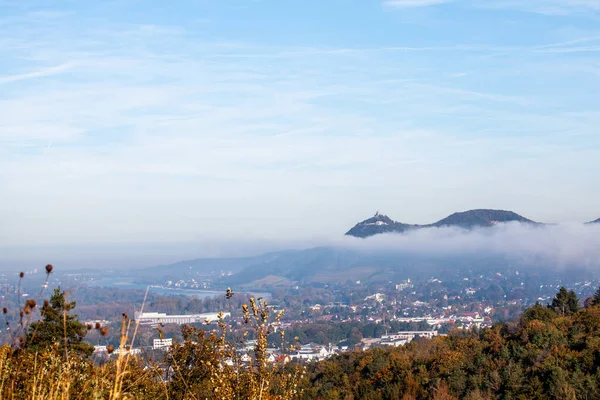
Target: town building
{"points": [[162, 343], [156, 318]]}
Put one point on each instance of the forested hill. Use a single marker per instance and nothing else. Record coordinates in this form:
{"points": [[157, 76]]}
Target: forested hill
{"points": [[468, 219], [546, 355], [478, 218], [377, 224]]}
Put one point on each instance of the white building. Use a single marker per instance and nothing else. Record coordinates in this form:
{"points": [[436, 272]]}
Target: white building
{"points": [[392, 342], [155, 318], [378, 297], [162, 344], [100, 349], [404, 285], [312, 352], [104, 350], [397, 339], [401, 338], [131, 352]]}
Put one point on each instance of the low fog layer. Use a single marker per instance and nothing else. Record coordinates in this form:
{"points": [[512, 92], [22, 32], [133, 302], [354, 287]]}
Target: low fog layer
{"points": [[558, 245], [562, 244]]}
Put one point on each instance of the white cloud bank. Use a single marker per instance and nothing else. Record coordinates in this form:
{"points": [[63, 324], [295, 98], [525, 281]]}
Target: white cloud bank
{"points": [[557, 245]]}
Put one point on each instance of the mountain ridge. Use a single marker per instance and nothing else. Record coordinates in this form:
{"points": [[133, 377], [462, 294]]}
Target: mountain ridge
{"points": [[339, 264], [470, 219]]}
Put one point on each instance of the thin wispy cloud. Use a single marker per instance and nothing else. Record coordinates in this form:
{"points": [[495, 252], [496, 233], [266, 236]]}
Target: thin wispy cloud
{"points": [[586, 39], [578, 49], [586, 44], [51, 71], [546, 7], [414, 3]]}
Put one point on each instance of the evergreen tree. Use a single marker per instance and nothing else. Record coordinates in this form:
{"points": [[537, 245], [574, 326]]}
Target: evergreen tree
{"points": [[565, 302], [596, 298], [58, 327]]}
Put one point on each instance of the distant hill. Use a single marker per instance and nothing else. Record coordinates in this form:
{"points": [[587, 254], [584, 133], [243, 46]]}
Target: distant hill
{"points": [[329, 264], [326, 265], [317, 265], [595, 222], [468, 219], [482, 217], [322, 265], [280, 268], [204, 266], [378, 224]]}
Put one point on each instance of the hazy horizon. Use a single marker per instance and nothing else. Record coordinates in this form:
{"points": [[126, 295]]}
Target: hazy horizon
{"points": [[560, 245]]}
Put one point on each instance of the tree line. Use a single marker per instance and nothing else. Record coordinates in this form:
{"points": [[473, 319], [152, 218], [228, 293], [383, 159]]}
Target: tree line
{"points": [[551, 352]]}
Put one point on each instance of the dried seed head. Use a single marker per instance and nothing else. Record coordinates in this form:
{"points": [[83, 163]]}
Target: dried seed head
{"points": [[5, 310], [127, 347], [46, 303], [124, 315], [98, 325], [49, 268], [104, 331], [110, 348], [31, 303], [27, 310], [21, 314], [21, 274], [89, 327]]}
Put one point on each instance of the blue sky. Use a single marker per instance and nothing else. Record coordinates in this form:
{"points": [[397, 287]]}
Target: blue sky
{"points": [[154, 121]]}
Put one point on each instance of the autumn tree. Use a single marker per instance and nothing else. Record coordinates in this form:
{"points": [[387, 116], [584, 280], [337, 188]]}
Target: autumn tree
{"points": [[538, 312]]}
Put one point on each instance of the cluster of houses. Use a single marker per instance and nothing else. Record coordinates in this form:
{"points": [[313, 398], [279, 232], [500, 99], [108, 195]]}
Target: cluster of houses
{"points": [[304, 353], [103, 350], [468, 320], [191, 284]]}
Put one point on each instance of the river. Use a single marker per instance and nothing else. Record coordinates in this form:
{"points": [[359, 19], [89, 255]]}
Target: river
{"points": [[125, 283]]}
